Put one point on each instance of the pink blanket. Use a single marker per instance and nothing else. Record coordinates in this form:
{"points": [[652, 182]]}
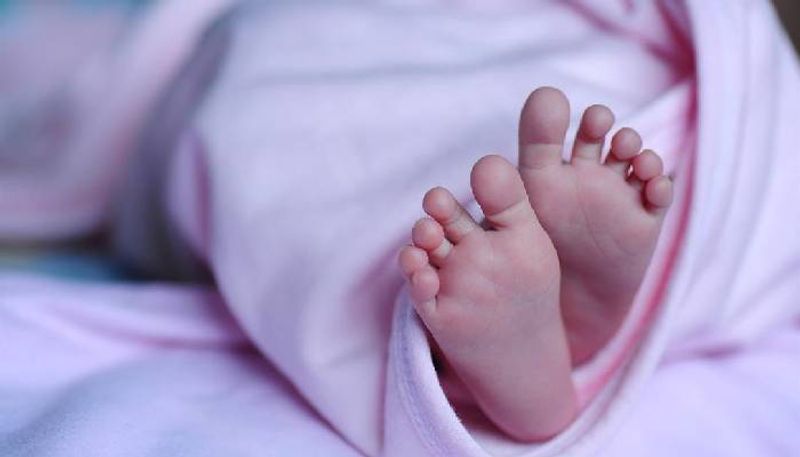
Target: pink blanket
{"points": [[317, 128]]}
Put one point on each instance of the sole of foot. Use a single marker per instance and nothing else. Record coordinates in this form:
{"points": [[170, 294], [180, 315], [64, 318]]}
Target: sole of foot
{"points": [[603, 216], [489, 295]]}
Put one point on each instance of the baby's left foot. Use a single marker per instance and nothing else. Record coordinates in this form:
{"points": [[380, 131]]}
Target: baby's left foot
{"points": [[489, 296], [604, 217]]}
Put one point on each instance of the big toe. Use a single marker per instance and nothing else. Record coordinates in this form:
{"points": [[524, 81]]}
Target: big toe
{"points": [[499, 191], [542, 128]]}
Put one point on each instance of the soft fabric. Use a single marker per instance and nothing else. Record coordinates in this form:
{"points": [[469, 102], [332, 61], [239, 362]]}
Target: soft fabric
{"points": [[300, 172], [71, 117], [115, 370]]}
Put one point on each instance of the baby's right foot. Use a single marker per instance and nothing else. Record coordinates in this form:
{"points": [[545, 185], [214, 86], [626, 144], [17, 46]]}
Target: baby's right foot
{"points": [[490, 299], [604, 218]]}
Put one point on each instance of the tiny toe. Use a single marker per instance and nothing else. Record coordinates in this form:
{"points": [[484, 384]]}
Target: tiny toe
{"points": [[440, 204], [499, 191], [625, 145], [647, 165], [658, 193], [427, 234], [595, 124], [424, 285], [412, 259], [542, 127]]}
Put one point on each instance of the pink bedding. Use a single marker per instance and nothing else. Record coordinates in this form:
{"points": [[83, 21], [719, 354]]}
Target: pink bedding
{"points": [[297, 177]]}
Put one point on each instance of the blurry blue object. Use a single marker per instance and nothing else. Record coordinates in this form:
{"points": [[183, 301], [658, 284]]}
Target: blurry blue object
{"points": [[72, 265], [114, 3], [8, 5], [4, 5]]}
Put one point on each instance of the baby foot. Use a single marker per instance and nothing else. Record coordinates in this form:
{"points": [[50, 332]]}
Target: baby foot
{"points": [[490, 299], [603, 218]]}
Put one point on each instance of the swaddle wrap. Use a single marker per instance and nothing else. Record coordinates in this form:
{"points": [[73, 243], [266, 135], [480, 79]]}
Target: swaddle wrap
{"points": [[301, 172]]}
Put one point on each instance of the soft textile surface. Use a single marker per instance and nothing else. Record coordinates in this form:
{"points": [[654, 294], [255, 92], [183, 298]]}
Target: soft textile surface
{"points": [[300, 174], [140, 371], [162, 371]]}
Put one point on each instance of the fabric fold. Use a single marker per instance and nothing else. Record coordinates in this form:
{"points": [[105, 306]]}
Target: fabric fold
{"points": [[321, 149], [301, 171]]}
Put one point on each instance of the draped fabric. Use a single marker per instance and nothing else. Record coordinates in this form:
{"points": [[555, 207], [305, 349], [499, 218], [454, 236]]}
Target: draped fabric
{"points": [[294, 175]]}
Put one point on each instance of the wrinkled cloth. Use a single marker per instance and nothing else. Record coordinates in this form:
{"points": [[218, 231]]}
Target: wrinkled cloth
{"points": [[130, 370], [295, 169]]}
